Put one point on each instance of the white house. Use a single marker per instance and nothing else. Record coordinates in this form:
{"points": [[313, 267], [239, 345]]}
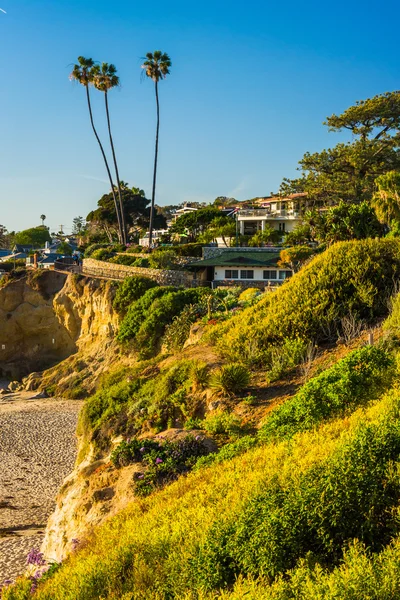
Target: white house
{"points": [[282, 214], [247, 267]]}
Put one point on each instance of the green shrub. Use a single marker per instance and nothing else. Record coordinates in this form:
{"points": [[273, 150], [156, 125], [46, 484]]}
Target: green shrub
{"points": [[355, 277], [138, 311], [230, 379], [162, 259], [163, 460], [142, 263], [123, 259], [102, 254], [336, 391], [177, 332], [146, 327], [285, 357], [111, 248], [392, 323], [228, 451], [199, 375], [351, 495], [222, 422], [135, 249], [130, 290]]}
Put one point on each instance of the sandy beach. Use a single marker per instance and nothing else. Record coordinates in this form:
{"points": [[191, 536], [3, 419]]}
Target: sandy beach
{"points": [[37, 451]]}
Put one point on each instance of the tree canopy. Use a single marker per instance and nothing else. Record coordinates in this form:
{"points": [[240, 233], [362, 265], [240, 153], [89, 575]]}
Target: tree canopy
{"points": [[348, 170], [195, 222], [136, 212], [344, 222], [36, 236]]}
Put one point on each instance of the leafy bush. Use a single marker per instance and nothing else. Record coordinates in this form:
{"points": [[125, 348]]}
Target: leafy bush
{"points": [[230, 379], [146, 326], [336, 391], [138, 311], [102, 254], [354, 277], [177, 332], [162, 259], [228, 451], [130, 290], [123, 259], [111, 248], [392, 323], [135, 249], [249, 295], [350, 495], [142, 263], [163, 460], [285, 357], [222, 422]]}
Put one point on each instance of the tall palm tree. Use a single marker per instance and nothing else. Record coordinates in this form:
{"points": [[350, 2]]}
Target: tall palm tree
{"points": [[82, 73], [43, 218], [105, 78], [386, 200], [156, 66]]}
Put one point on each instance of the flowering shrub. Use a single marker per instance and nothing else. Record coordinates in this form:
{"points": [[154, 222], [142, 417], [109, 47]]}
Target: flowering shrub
{"points": [[163, 460]]}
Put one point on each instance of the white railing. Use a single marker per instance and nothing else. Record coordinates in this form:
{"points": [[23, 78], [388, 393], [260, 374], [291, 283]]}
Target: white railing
{"points": [[265, 213]]}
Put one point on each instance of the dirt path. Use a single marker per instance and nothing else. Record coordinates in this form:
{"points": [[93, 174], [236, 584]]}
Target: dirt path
{"points": [[37, 451]]}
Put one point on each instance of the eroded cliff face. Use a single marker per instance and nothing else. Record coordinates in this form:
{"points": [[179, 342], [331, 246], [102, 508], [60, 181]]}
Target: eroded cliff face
{"points": [[48, 317], [31, 335]]}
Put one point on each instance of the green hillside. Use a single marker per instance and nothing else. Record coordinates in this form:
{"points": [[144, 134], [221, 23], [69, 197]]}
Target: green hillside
{"points": [[305, 507]]}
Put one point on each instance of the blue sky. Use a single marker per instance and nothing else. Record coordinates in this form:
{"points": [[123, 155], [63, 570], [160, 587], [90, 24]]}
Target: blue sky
{"points": [[251, 83]]}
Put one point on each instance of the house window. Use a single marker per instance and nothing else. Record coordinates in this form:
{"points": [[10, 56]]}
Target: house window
{"points": [[246, 274], [285, 274], [270, 275], [282, 227], [229, 274]]}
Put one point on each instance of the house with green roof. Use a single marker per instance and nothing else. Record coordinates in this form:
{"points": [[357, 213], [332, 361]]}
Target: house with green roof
{"points": [[247, 267]]}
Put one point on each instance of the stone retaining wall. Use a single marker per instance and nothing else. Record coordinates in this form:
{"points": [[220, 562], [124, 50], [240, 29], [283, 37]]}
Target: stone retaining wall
{"points": [[100, 268]]}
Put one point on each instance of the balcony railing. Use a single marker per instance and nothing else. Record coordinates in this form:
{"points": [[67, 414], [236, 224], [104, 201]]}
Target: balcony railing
{"points": [[263, 213]]}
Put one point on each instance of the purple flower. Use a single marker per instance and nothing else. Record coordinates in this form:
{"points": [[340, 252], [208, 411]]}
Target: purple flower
{"points": [[8, 582], [197, 437], [158, 461], [142, 449], [75, 543], [140, 476], [35, 557]]}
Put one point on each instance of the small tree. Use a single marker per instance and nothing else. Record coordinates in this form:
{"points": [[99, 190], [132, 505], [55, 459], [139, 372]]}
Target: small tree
{"points": [[78, 225], [386, 200], [36, 236], [65, 249], [268, 236], [294, 258]]}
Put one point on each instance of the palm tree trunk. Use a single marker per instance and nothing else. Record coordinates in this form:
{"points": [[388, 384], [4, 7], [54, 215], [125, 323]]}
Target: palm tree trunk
{"points": [[105, 159], [121, 204], [153, 195]]}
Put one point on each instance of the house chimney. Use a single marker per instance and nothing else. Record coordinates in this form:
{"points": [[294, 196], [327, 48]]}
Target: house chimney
{"points": [[35, 257]]}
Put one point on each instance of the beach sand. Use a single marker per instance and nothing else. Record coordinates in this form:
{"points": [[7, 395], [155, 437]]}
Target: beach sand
{"points": [[37, 451]]}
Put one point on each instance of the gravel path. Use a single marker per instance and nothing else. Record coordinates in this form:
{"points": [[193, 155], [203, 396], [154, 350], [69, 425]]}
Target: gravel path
{"points": [[37, 451]]}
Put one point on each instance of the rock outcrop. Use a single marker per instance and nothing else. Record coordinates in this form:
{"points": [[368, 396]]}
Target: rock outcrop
{"points": [[48, 317], [31, 335]]}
